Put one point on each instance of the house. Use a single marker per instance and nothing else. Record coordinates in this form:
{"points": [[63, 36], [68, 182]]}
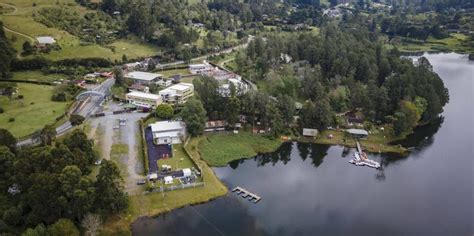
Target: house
{"points": [[214, 126], [139, 88], [353, 119], [240, 88], [164, 82], [358, 133], [310, 132], [146, 78], [200, 68], [178, 93], [168, 132], [146, 100]]}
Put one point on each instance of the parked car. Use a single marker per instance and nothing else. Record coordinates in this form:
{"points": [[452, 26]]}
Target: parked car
{"points": [[141, 182]]}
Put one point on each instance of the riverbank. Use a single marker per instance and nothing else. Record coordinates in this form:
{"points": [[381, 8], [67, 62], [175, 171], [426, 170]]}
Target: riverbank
{"points": [[154, 204]]}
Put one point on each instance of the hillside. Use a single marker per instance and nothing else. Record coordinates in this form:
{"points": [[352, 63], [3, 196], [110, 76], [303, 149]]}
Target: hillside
{"points": [[22, 19]]}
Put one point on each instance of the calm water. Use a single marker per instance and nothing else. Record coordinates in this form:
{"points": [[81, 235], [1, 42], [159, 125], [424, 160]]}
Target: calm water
{"points": [[312, 189]]}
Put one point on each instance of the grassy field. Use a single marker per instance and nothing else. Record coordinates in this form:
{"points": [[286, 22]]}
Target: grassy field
{"points": [[31, 113], [38, 76], [155, 204], [21, 21], [220, 149], [456, 43]]}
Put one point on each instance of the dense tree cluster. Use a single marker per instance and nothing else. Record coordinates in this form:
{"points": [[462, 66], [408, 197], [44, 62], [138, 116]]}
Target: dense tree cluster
{"points": [[7, 53], [343, 68], [52, 183]]}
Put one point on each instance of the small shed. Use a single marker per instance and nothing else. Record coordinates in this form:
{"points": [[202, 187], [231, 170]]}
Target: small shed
{"points": [[168, 179], [310, 132], [358, 133], [186, 172]]}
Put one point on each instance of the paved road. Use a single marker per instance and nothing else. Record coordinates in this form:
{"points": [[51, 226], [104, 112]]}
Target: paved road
{"points": [[90, 107]]}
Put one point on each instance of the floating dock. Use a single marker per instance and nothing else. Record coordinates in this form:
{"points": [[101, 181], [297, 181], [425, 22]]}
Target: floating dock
{"points": [[247, 194], [361, 159]]}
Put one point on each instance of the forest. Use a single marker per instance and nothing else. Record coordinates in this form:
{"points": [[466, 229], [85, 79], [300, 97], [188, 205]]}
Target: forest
{"points": [[50, 189]]}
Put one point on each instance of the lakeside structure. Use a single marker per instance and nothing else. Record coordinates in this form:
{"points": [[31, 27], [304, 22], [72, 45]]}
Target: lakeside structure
{"points": [[141, 99], [168, 132], [177, 94]]}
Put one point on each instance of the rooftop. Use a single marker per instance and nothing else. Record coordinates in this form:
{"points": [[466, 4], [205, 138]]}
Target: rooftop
{"points": [[45, 40], [166, 126], [181, 86], [143, 75], [144, 95], [357, 132]]}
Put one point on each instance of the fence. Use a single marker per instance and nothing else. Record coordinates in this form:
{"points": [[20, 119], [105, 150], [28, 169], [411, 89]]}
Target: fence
{"points": [[175, 187]]}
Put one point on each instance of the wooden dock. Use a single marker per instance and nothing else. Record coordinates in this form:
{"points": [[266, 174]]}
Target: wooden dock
{"points": [[247, 194]]}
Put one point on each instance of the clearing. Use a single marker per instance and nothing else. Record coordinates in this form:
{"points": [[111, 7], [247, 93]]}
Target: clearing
{"points": [[32, 112]]}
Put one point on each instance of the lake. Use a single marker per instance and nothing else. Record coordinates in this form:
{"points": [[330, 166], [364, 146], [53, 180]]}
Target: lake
{"points": [[310, 189]]}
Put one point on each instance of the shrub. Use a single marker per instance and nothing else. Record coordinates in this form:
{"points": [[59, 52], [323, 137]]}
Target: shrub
{"points": [[11, 119], [1, 110]]}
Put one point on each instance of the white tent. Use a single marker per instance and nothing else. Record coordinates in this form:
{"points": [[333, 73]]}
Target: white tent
{"points": [[168, 179], [186, 172], [152, 176]]}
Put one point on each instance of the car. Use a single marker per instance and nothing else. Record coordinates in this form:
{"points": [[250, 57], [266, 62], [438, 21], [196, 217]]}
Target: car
{"points": [[98, 162], [141, 182]]}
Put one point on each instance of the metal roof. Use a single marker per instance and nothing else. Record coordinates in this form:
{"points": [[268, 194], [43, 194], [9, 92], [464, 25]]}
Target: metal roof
{"points": [[357, 132], [167, 126], [144, 95], [45, 40], [140, 75]]}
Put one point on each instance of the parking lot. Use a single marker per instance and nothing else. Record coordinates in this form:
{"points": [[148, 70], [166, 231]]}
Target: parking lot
{"points": [[118, 139]]}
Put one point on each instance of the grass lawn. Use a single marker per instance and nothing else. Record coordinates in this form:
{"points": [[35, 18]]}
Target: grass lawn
{"points": [[38, 76], [180, 160], [220, 149], [155, 204], [31, 113], [169, 73]]}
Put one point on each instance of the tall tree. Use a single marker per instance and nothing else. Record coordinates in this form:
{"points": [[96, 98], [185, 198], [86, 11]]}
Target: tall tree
{"points": [[110, 197], [194, 115], [7, 139], [7, 53]]}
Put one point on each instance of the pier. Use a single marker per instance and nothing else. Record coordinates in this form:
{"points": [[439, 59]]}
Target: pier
{"points": [[361, 159], [247, 194]]}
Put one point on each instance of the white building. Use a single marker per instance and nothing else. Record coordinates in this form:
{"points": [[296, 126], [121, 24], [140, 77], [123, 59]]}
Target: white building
{"points": [[46, 40], [178, 93], [239, 86], [147, 78], [200, 68], [168, 132], [141, 99]]}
